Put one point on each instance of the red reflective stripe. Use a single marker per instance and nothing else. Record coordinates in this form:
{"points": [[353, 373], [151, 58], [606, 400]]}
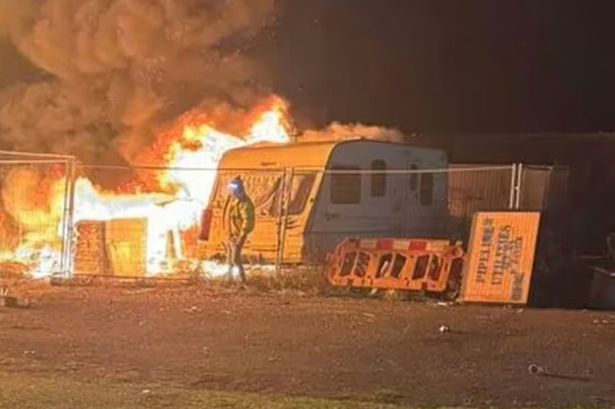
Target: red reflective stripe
{"points": [[417, 245], [401, 245], [386, 244]]}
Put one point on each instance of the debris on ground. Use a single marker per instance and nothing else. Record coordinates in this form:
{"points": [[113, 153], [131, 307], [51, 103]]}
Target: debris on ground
{"points": [[8, 301], [600, 322], [534, 369], [192, 310], [537, 370]]}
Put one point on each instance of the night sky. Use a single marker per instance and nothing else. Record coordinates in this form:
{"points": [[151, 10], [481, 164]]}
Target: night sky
{"points": [[450, 65]]}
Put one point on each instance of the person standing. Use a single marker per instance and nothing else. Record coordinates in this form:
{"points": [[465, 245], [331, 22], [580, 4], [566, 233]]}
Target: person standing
{"points": [[239, 223]]}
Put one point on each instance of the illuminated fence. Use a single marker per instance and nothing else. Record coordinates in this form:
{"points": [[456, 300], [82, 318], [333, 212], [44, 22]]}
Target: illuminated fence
{"points": [[35, 213], [472, 189], [151, 221]]}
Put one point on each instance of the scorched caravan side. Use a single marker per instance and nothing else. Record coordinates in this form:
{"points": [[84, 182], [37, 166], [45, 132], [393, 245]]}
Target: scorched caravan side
{"points": [[309, 196]]}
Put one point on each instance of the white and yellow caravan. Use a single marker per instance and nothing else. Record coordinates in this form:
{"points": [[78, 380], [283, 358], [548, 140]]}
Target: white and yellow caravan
{"points": [[311, 195]]}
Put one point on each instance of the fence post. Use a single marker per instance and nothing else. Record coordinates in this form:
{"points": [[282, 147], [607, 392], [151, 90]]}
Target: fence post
{"points": [[287, 198], [519, 185], [546, 195], [513, 186], [278, 249], [70, 220], [64, 221]]}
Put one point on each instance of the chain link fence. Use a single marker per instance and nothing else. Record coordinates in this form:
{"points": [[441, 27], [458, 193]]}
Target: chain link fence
{"points": [[35, 214], [152, 221]]}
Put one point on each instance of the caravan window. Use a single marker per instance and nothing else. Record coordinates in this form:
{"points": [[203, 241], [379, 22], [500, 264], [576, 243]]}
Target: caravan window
{"points": [[270, 194], [274, 195], [379, 180], [300, 192], [346, 187], [426, 194], [265, 190]]}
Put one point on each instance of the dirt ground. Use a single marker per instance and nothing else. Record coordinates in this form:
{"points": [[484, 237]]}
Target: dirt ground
{"points": [[314, 346]]}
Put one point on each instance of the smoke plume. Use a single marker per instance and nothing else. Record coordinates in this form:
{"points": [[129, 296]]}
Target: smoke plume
{"points": [[114, 71], [338, 132]]}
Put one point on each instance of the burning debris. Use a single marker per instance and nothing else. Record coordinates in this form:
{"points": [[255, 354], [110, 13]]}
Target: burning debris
{"points": [[91, 251]]}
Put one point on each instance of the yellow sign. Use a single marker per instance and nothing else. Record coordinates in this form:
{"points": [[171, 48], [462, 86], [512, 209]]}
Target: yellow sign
{"points": [[500, 259]]}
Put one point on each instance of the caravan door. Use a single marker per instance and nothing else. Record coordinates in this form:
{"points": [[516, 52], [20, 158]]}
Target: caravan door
{"points": [[420, 208]]}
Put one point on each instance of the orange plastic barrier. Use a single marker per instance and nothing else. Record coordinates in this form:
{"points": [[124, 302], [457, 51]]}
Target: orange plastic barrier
{"points": [[411, 264]]}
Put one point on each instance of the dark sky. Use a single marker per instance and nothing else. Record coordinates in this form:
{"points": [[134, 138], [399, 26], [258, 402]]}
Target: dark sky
{"points": [[450, 65]]}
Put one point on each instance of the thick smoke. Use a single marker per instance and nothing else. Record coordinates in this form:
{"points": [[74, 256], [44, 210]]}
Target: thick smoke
{"points": [[337, 132], [115, 70]]}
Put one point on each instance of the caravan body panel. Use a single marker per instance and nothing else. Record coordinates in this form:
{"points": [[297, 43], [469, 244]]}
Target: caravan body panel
{"points": [[267, 170], [380, 198], [310, 196]]}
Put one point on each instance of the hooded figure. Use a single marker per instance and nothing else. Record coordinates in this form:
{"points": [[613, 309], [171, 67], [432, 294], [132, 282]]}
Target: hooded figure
{"points": [[239, 223]]}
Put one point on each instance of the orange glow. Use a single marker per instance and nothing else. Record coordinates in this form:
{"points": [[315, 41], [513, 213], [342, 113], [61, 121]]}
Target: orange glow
{"points": [[187, 155]]}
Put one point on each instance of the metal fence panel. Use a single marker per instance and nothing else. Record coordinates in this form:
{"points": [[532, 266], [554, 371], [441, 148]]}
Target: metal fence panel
{"points": [[136, 221], [543, 187], [34, 213], [473, 188]]}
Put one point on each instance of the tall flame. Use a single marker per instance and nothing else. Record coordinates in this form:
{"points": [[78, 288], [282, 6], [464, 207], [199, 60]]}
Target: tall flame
{"points": [[188, 160], [193, 159]]}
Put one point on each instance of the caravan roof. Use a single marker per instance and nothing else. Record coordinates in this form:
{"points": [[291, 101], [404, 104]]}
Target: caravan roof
{"points": [[277, 156], [297, 155]]}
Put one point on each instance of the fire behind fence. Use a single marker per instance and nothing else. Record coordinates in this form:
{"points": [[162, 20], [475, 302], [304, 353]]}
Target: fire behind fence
{"points": [[62, 218], [35, 213]]}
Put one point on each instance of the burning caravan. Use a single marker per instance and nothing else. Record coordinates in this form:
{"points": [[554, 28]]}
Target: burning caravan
{"points": [[309, 196]]}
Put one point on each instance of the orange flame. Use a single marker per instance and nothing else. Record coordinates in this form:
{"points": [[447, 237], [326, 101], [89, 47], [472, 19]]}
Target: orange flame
{"points": [[201, 147], [188, 156]]}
